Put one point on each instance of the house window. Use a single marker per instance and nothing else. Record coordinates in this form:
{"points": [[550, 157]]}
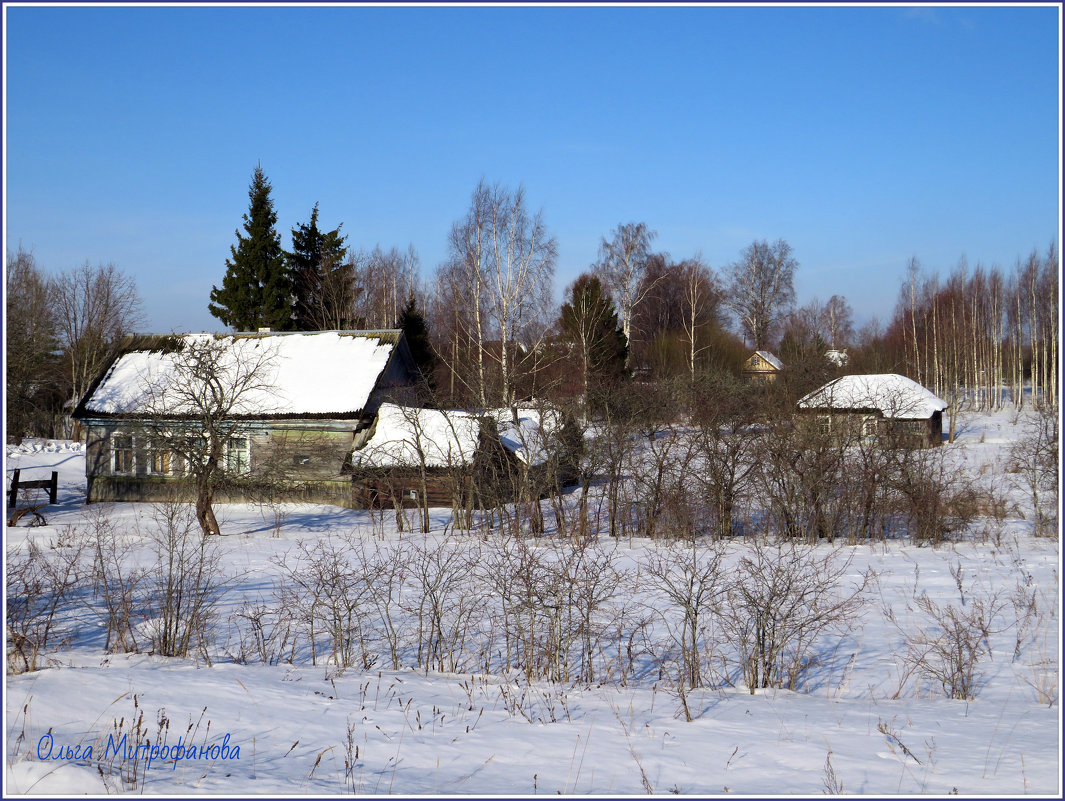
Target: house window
{"points": [[868, 426], [122, 454], [237, 455], [824, 424], [160, 462]]}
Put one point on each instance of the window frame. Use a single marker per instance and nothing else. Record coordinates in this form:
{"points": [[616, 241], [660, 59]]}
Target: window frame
{"points": [[246, 466], [156, 453], [128, 452]]}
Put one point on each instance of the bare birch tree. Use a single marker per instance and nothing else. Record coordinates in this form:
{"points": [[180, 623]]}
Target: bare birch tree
{"points": [[761, 288], [622, 264], [837, 322], [701, 301], [94, 307], [464, 275], [501, 261], [521, 265]]}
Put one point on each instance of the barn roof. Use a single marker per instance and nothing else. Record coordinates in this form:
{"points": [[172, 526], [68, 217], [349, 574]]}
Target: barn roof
{"points": [[895, 396], [405, 436], [299, 374]]}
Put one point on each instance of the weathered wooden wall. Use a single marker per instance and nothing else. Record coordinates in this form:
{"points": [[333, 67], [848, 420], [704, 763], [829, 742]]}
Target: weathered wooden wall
{"points": [[288, 462]]}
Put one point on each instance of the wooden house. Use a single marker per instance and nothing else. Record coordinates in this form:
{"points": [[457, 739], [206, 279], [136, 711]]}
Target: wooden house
{"points": [[295, 404], [887, 406], [762, 367]]}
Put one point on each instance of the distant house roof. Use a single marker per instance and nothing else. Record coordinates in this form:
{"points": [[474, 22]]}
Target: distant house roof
{"points": [[528, 436], [837, 357], [770, 358], [894, 396], [314, 374], [407, 437]]}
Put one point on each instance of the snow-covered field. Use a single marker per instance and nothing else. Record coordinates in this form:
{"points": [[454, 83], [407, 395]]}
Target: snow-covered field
{"points": [[862, 720]]}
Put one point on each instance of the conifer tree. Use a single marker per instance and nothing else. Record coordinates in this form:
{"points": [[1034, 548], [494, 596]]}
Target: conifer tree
{"points": [[256, 290], [589, 320], [315, 267], [416, 331]]}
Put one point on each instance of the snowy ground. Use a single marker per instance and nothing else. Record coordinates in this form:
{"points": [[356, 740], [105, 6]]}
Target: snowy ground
{"points": [[861, 724]]}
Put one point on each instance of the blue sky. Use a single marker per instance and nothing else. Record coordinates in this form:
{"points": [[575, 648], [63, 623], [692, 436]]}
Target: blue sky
{"points": [[863, 136]]}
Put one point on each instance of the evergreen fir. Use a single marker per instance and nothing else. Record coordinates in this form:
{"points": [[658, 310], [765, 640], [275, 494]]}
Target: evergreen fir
{"points": [[314, 265], [256, 291], [589, 319], [416, 332]]}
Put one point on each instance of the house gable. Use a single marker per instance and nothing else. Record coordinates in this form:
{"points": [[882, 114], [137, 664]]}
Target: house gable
{"points": [[762, 365]]}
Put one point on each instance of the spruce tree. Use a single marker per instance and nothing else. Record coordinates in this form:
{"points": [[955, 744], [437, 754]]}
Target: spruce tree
{"points": [[416, 332], [589, 320], [256, 290], [315, 267]]}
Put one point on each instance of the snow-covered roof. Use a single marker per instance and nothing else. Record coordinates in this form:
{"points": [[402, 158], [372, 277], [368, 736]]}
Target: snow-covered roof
{"points": [[769, 357], [315, 373], [895, 396], [530, 436], [405, 436], [837, 357]]}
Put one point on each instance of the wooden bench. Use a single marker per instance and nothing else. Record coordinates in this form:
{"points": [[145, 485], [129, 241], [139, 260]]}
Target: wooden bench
{"points": [[50, 484]]}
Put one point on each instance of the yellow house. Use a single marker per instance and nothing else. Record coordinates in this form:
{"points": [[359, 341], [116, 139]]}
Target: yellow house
{"points": [[762, 366]]}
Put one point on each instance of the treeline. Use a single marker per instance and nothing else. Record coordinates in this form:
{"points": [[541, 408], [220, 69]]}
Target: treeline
{"points": [[488, 333], [485, 330], [983, 335], [484, 326]]}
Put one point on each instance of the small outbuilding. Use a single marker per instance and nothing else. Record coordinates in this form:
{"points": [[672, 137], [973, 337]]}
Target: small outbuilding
{"points": [[435, 457], [878, 406], [762, 367]]}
